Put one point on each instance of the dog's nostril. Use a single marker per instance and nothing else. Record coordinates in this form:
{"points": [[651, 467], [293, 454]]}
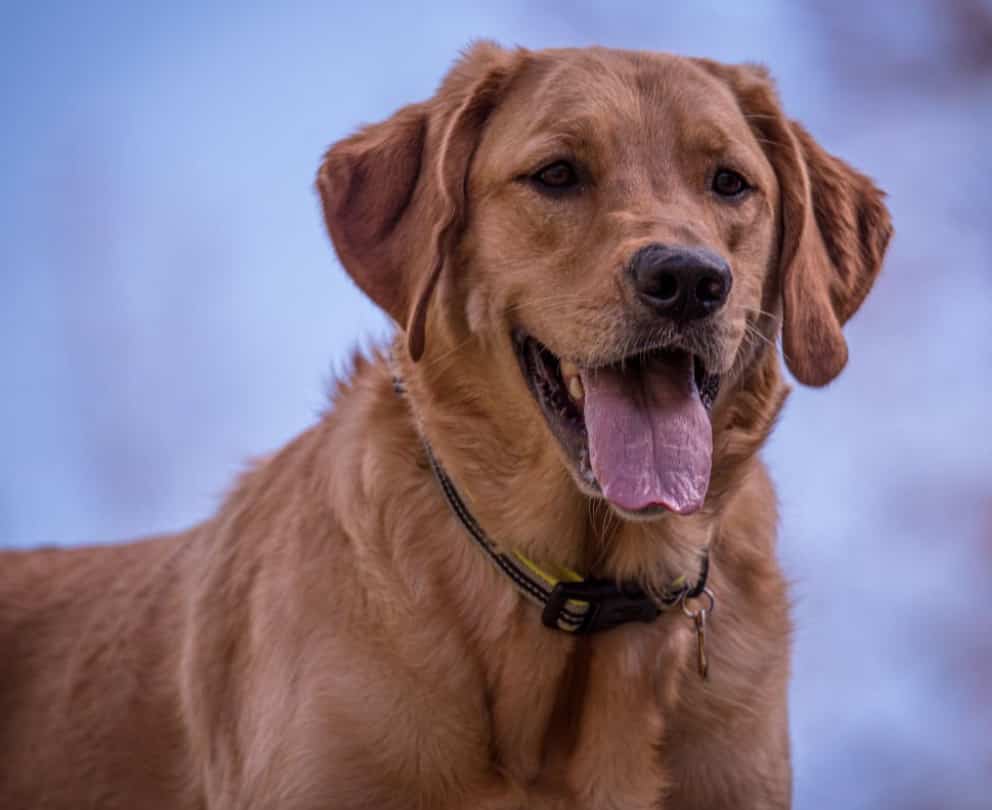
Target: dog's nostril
{"points": [[710, 290], [666, 287]]}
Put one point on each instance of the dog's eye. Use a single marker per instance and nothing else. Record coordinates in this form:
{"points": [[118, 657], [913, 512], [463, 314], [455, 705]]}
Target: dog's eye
{"points": [[728, 183], [558, 176]]}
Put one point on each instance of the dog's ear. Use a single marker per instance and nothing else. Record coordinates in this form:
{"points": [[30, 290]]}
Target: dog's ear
{"points": [[394, 193], [835, 229]]}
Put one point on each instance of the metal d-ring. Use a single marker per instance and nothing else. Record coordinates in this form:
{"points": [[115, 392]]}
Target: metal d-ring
{"points": [[692, 614]]}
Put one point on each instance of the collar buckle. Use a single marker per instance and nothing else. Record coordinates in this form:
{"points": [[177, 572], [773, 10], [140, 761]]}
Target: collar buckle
{"points": [[608, 606]]}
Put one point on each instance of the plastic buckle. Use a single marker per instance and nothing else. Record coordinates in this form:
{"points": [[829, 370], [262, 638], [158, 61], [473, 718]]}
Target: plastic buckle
{"points": [[609, 606]]}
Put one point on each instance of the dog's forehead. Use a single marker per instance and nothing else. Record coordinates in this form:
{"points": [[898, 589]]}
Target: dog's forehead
{"points": [[599, 99], [618, 89]]}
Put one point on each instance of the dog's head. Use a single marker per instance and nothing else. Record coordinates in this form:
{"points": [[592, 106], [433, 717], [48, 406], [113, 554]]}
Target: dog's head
{"points": [[623, 234]]}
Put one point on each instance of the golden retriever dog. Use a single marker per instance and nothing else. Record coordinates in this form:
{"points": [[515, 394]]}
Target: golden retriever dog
{"points": [[527, 559]]}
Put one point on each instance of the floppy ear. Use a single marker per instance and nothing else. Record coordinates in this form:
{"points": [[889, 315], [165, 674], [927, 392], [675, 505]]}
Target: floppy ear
{"points": [[844, 232], [835, 229], [394, 193]]}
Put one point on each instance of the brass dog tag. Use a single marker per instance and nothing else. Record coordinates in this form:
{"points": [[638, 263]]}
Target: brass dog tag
{"points": [[699, 622], [701, 663]]}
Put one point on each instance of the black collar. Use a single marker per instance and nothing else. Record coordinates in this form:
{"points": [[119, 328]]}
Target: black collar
{"points": [[569, 602]]}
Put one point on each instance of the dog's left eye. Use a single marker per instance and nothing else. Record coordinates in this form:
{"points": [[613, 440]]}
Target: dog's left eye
{"points": [[728, 183], [557, 176]]}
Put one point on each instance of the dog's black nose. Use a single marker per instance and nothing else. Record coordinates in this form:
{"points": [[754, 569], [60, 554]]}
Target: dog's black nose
{"points": [[683, 283]]}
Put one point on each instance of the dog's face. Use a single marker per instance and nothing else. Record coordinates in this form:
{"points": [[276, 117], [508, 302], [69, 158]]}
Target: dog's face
{"points": [[624, 227], [624, 233]]}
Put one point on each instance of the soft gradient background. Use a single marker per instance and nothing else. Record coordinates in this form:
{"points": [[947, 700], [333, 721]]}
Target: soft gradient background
{"points": [[170, 306]]}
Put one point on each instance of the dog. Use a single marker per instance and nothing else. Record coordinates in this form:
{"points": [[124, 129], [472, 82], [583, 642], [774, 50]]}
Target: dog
{"points": [[527, 559]]}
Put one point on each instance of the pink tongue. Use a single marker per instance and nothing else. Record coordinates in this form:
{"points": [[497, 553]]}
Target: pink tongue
{"points": [[650, 440]]}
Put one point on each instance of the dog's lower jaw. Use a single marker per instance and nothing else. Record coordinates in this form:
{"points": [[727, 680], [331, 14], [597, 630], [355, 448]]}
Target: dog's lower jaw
{"points": [[649, 515]]}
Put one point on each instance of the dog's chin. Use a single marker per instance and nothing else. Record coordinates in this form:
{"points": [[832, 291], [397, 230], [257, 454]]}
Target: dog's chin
{"points": [[548, 378]]}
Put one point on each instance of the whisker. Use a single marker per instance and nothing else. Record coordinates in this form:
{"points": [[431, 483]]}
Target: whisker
{"points": [[752, 331], [754, 311]]}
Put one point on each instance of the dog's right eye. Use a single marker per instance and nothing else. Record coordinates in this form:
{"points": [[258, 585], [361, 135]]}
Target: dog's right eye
{"points": [[557, 176]]}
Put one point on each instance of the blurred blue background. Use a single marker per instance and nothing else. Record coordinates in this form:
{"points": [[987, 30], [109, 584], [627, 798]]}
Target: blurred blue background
{"points": [[171, 306]]}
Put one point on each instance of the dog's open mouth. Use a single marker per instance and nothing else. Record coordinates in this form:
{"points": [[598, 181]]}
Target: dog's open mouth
{"points": [[637, 431]]}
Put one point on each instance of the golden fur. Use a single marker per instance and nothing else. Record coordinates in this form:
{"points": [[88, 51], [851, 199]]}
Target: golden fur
{"points": [[332, 638]]}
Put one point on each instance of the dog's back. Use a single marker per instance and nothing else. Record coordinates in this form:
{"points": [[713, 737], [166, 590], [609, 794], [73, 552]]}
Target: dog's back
{"points": [[88, 646]]}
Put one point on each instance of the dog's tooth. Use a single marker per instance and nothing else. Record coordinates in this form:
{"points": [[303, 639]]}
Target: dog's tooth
{"points": [[575, 389], [568, 369]]}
